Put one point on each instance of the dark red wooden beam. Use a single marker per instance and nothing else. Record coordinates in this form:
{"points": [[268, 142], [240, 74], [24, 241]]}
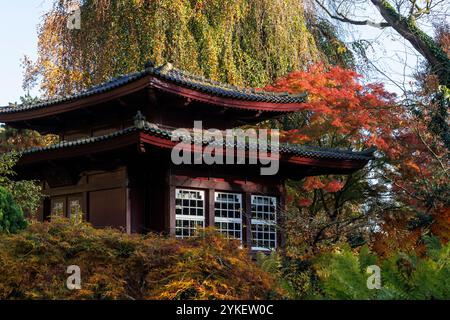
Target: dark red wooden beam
{"points": [[141, 139], [150, 82], [222, 101], [79, 103]]}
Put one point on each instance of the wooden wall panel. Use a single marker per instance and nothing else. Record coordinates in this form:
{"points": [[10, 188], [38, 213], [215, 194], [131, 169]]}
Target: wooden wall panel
{"points": [[107, 208], [136, 198], [107, 178]]}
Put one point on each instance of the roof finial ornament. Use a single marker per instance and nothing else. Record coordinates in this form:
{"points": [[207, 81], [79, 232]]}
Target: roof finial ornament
{"points": [[165, 68], [371, 151], [139, 120], [149, 64]]}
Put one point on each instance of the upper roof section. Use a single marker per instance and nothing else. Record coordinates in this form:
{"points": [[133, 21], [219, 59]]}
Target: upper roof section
{"points": [[297, 161], [164, 78]]}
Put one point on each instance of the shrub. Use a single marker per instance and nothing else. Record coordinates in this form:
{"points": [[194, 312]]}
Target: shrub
{"points": [[11, 216], [115, 265], [26, 194], [294, 276], [342, 274], [403, 276]]}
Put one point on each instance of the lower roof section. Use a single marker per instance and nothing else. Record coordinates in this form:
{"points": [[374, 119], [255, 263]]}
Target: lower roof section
{"points": [[307, 160]]}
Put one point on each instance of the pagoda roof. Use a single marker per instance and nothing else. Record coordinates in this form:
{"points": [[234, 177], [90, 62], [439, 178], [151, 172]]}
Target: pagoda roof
{"points": [[335, 159], [169, 79]]}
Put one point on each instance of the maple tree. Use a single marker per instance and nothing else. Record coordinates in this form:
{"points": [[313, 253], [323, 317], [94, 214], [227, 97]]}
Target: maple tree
{"points": [[122, 266], [409, 174], [340, 111]]}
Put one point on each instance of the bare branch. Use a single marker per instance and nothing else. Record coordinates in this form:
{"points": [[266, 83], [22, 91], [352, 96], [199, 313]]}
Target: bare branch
{"points": [[340, 17], [422, 42]]}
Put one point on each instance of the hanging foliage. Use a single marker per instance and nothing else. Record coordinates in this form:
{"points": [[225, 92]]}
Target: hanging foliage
{"points": [[248, 43]]}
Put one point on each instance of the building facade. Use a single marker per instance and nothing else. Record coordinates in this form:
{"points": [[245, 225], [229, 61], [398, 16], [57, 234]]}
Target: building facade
{"points": [[114, 163]]}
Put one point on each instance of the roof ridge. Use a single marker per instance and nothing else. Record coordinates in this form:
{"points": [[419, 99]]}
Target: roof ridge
{"points": [[167, 68], [104, 86]]}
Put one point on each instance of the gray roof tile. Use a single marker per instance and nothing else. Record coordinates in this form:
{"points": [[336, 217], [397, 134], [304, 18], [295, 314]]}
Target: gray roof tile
{"points": [[289, 149], [168, 73]]}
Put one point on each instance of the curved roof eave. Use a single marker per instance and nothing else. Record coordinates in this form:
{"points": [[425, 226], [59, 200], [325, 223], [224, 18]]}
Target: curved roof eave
{"points": [[165, 78], [295, 154]]}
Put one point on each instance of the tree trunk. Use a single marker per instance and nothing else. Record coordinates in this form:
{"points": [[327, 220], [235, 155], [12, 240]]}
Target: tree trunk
{"points": [[424, 44]]}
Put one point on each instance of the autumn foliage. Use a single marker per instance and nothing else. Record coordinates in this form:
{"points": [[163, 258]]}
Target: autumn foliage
{"points": [[115, 265], [340, 107], [409, 176]]}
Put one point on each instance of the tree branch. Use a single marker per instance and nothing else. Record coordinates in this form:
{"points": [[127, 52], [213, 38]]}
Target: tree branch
{"points": [[422, 42], [340, 17]]}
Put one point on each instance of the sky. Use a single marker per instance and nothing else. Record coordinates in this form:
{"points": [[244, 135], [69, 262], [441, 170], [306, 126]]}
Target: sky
{"points": [[18, 37], [19, 20], [393, 58]]}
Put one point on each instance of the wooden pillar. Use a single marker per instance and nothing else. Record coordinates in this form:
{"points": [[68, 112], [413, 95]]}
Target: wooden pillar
{"points": [[247, 220], [281, 234], [210, 208], [128, 208], [85, 205], [170, 210]]}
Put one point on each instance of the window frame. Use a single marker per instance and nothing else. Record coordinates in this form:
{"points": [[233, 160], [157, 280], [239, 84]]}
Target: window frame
{"points": [[240, 221], [258, 222], [189, 218]]}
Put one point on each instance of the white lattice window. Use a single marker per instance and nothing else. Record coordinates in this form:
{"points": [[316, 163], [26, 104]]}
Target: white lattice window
{"points": [[189, 212], [264, 218], [228, 214], [58, 208], [75, 211]]}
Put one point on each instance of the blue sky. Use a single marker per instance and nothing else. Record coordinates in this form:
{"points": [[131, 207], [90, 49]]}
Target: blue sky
{"points": [[18, 37]]}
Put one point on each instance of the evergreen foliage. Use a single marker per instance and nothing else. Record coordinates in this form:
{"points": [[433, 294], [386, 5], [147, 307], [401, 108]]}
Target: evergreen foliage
{"points": [[342, 274], [26, 193], [11, 216]]}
